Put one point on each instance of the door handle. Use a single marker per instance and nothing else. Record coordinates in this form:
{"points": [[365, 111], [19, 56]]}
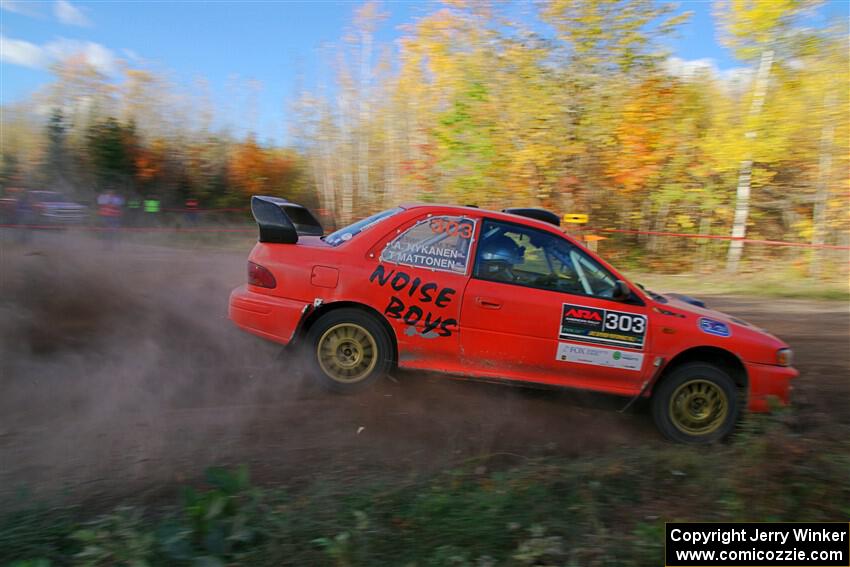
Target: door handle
{"points": [[488, 303]]}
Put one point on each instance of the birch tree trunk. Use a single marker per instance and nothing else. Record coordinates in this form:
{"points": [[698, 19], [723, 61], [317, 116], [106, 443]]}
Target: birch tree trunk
{"points": [[345, 157], [364, 191], [645, 220], [654, 244], [390, 161], [328, 184], [742, 197], [822, 195], [702, 255]]}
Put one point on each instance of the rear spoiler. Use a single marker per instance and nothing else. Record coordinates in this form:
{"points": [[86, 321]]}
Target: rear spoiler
{"points": [[281, 221]]}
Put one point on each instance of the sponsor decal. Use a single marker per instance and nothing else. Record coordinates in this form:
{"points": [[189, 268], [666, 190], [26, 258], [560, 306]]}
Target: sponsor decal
{"points": [[602, 326], [598, 356], [713, 327]]}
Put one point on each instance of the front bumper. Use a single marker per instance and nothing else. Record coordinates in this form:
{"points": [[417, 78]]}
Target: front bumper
{"points": [[273, 318], [769, 384]]}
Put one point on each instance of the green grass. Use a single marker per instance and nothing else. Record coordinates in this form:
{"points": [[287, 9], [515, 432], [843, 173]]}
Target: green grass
{"points": [[607, 510], [779, 285]]}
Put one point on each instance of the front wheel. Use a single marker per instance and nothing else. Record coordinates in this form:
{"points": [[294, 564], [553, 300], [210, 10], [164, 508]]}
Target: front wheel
{"points": [[348, 349], [697, 403]]}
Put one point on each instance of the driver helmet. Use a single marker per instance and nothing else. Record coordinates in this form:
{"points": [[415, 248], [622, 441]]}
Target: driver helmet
{"points": [[500, 248]]}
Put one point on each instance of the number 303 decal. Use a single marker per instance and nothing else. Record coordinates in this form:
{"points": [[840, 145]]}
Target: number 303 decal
{"points": [[589, 324], [452, 228], [625, 322]]}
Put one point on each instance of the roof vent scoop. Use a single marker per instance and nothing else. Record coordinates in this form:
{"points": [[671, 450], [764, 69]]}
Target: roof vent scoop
{"points": [[536, 214]]}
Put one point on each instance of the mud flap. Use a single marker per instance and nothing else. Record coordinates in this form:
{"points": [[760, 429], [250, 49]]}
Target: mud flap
{"points": [[659, 366]]}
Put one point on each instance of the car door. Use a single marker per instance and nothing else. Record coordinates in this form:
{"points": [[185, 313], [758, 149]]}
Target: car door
{"points": [[539, 308], [418, 282]]}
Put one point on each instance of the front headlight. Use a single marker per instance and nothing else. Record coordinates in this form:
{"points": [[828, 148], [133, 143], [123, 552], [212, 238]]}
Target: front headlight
{"points": [[784, 357]]}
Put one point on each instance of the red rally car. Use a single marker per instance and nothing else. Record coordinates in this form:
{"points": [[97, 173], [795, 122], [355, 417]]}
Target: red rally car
{"points": [[498, 295]]}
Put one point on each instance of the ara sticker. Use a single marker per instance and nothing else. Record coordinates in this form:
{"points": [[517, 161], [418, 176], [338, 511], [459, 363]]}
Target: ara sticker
{"points": [[716, 328], [602, 326], [598, 356]]}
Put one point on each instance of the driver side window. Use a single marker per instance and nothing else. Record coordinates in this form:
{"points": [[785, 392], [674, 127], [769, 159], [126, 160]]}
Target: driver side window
{"points": [[525, 256]]}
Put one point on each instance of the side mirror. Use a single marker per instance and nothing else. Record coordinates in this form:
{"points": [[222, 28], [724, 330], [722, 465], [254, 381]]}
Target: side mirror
{"points": [[621, 291]]}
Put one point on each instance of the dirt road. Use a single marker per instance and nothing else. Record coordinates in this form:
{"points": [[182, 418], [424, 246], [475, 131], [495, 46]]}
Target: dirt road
{"points": [[121, 375]]}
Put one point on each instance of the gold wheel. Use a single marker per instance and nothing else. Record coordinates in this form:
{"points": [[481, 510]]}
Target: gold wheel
{"points": [[347, 353], [698, 407]]}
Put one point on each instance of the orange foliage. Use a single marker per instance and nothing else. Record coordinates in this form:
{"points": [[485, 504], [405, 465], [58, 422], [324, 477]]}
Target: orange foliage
{"points": [[255, 170], [641, 154], [149, 161]]}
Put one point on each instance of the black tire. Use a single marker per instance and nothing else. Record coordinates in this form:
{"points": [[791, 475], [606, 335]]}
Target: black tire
{"points": [[697, 403], [347, 350]]}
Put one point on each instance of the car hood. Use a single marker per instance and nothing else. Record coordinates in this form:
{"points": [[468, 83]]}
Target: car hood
{"points": [[685, 303]]}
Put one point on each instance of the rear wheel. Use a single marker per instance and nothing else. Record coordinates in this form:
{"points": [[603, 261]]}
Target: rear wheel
{"points": [[697, 403], [348, 349]]}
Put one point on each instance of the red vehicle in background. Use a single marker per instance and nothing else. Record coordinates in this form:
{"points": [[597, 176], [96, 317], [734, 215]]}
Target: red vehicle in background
{"points": [[498, 295]]}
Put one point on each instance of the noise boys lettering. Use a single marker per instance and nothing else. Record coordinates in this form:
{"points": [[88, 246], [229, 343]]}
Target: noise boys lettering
{"points": [[413, 298]]}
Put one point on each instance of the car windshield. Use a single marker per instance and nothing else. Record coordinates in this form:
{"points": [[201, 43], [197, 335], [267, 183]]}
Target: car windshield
{"points": [[352, 230]]}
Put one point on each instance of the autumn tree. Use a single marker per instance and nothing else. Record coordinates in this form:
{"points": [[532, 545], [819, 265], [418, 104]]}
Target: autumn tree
{"points": [[56, 159], [110, 151], [757, 31]]}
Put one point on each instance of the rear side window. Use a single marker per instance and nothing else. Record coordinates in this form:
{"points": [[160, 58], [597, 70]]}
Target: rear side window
{"points": [[437, 243], [352, 230]]}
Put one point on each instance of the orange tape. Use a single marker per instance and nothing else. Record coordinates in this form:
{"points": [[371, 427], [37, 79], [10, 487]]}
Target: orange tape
{"points": [[720, 237], [125, 228]]}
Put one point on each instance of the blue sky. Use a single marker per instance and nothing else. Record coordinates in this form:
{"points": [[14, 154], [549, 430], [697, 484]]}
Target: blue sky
{"points": [[280, 45]]}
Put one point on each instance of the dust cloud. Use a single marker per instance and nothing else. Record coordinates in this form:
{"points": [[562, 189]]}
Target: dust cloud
{"points": [[99, 345]]}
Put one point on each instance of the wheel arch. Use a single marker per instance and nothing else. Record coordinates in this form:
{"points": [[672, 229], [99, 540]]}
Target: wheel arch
{"points": [[724, 359], [325, 308]]}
